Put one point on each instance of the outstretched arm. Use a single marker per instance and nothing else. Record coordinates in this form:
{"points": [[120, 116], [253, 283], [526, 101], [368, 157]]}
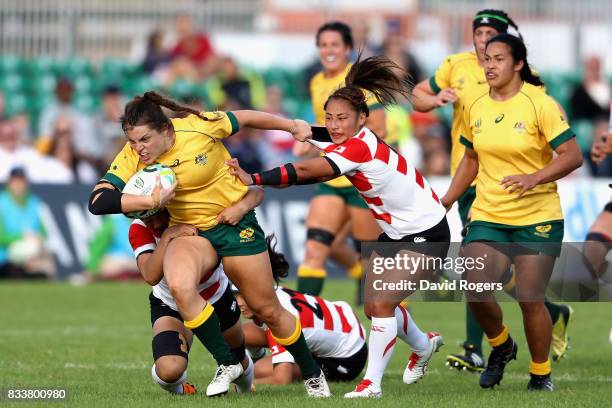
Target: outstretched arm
{"points": [[306, 172], [298, 128]]}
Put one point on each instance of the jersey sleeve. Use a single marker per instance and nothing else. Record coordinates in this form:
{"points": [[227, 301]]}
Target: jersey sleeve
{"points": [[124, 166], [441, 78], [466, 138], [142, 239], [553, 124], [219, 125], [279, 353], [349, 155]]}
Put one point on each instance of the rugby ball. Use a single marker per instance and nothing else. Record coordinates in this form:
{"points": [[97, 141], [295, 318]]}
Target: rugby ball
{"points": [[143, 184]]}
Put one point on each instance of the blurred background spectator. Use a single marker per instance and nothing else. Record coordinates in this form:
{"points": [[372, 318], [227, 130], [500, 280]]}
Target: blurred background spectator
{"points": [[157, 56], [109, 136], [589, 113], [277, 144], [362, 40], [193, 56], [236, 89], [13, 153], [395, 47], [22, 249], [62, 105], [110, 255], [64, 163], [591, 98]]}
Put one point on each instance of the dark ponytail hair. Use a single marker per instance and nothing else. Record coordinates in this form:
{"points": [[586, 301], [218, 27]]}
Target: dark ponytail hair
{"points": [[339, 27], [280, 266], [146, 110], [378, 75], [519, 53]]}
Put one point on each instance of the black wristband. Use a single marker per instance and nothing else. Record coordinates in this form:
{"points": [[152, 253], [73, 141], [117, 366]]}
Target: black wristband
{"points": [[284, 175]]}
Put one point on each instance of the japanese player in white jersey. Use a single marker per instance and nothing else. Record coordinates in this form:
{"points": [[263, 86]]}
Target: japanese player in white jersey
{"points": [[400, 199], [333, 333], [171, 339]]}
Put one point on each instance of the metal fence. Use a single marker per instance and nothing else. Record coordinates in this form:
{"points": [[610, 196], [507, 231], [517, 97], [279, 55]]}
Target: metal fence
{"points": [[99, 28]]}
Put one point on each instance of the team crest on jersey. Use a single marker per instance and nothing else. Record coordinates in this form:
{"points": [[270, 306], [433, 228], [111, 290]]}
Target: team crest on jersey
{"points": [[477, 125], [201, 159], [246, 235], [519, 127], [543, 230], [460, 84]]}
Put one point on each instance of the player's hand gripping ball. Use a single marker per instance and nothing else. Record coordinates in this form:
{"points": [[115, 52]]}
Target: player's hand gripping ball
{"points": [[143, 184]]}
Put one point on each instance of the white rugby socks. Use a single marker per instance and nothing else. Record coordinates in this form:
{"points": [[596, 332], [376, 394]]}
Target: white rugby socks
{"points": [[383, 335], [409, 332]]}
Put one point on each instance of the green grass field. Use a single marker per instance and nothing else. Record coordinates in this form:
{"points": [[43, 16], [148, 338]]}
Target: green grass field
{"points": [[95, 342]]}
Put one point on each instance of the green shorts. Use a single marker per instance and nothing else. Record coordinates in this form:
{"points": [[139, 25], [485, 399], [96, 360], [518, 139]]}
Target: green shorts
{"points": [[543, 238], [349, 195], [465, 204], [245, 238]]}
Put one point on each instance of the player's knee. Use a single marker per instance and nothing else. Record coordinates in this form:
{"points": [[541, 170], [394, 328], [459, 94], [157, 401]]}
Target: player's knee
{"points": [[267, 312], [528, 307], [320, 235], [170, 368], [170, 350], [181, 289], [377, 309]]}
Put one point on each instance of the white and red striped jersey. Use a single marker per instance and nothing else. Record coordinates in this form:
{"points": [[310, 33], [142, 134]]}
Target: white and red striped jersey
{"points": [[211, 287], [331, 329], [400, 198]]}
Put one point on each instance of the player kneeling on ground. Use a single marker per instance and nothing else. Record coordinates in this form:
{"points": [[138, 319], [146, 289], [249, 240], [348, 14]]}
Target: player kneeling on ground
{"points": [[149, 238], [332, 331]]}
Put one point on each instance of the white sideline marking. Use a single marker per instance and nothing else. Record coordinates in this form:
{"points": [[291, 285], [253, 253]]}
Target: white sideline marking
{"points": [[128, 331], [115, 366]]}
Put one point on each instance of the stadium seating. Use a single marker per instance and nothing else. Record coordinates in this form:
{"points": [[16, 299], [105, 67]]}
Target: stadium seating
{"points": [[31, 84]]}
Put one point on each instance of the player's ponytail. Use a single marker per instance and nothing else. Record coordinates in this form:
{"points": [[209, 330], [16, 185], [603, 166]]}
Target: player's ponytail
{"points": [[280, 266], [146, 110], [378, 75], [519, 53], [512, 24], [173, 105]]}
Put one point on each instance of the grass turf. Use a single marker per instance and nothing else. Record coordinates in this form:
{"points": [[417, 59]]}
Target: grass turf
{"points": [[95, 341]]}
